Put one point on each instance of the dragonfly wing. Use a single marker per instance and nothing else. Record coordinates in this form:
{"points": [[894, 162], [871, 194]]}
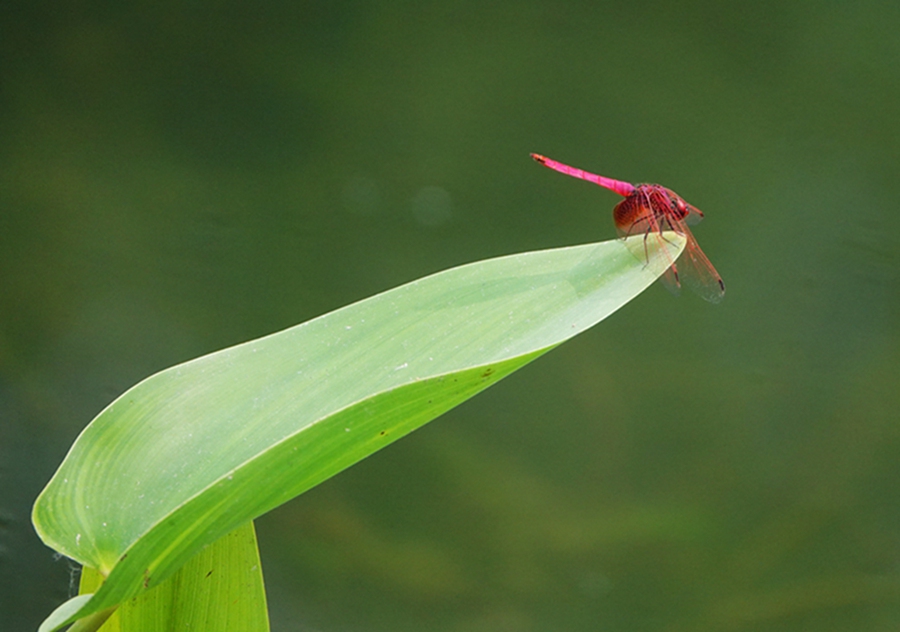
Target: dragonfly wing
{"points": [[670, 280], [698, 273], [638, 248], [694, 215]]}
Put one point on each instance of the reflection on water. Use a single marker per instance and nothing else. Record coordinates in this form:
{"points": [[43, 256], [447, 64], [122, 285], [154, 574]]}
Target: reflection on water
{"points": [[432, 206]]}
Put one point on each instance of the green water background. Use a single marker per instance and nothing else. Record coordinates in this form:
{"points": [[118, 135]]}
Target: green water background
{"points": [[180, 177]]}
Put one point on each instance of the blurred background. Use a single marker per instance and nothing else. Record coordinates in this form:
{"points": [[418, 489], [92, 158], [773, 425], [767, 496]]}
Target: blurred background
{"points": [[177, 177]]}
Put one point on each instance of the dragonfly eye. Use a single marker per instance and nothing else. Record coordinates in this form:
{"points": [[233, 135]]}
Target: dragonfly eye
{"points": [[683, 210]]}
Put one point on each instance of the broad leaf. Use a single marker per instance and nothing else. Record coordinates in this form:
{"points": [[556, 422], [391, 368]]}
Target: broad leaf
{"points": [[220, 589], [194, 451]]}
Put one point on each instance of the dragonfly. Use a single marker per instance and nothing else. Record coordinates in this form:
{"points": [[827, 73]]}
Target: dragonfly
{"points": [[651, 209]]}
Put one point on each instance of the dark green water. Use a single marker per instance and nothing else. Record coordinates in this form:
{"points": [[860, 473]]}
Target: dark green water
{"points": [[179, 177]]}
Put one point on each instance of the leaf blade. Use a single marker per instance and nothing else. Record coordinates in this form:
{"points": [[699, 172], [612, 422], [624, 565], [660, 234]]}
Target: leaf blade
{"points": [[183, 457]]}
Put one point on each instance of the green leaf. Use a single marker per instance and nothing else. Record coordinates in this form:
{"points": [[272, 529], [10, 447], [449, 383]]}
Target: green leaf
{"points": [[220, 589], [192, 452]]}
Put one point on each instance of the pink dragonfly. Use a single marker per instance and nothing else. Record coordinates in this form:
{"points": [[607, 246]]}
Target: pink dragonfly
{"points": [[650, 209]]}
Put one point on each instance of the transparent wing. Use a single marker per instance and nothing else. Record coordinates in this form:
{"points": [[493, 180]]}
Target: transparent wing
{"points": [[696, 271]]}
